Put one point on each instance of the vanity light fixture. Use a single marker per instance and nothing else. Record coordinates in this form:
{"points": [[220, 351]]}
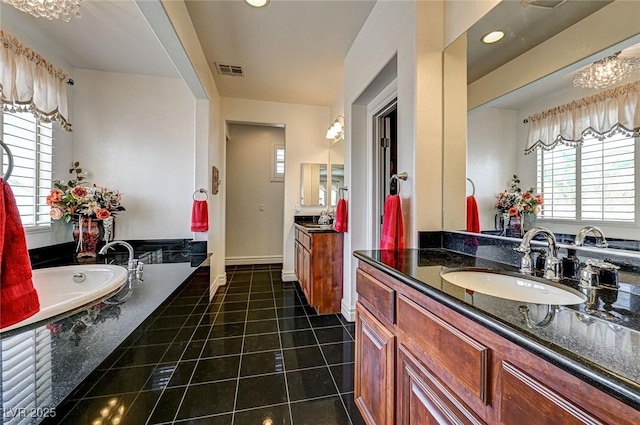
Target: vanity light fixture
{"points": [[493, 37], [257, 3], [336, 130], [50, 9], [606, 72]]}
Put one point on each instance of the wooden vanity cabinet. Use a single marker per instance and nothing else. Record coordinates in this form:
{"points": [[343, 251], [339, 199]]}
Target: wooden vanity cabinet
{"points": [[318, 266], [419, 362]]}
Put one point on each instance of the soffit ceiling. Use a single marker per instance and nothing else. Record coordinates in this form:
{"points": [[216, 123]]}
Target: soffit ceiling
{"points": [[291, 51]]}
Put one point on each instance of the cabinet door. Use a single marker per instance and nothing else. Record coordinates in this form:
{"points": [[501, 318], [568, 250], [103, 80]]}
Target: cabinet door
{"points": [[306, 275], [374, 369], [297, 260], [423, 399]]}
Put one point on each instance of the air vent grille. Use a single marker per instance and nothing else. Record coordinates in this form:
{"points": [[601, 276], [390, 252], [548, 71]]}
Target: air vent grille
{"points": [[543, 4], [230, 70]]}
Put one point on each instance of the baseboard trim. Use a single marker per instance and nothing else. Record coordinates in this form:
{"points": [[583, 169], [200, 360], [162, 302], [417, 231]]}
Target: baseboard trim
{"points": [[264, 259], [288, 276], [219, 281], [349, 312]]}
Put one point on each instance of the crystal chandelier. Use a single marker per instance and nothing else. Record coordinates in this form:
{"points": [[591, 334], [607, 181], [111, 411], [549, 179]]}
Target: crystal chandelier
{"points": [[50, 9], [606, 72]]}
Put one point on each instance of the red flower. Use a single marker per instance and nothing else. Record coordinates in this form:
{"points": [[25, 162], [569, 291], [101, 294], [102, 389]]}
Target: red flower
{"points": [[527, 196], [54, 197], [103, 214], [513, 211]]}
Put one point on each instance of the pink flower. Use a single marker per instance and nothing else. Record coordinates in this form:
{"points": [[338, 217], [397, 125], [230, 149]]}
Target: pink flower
{"points": [[54, 197], [513, 211], [79, 192], [55, 213], [539, 199], [103, 214], [526, 196], [536, 209]]}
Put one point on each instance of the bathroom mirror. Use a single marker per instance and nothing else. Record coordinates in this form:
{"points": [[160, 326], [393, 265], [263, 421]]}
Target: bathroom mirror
{"points": [[503, 89], [336, 165], [313, 184]]}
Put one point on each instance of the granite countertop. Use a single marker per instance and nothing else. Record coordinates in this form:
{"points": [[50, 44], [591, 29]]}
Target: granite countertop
{"points": [[602, 348], [316, 228], [52, 360]]}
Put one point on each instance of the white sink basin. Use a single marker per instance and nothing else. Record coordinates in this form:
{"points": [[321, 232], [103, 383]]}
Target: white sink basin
{"points": [[514, 288]]}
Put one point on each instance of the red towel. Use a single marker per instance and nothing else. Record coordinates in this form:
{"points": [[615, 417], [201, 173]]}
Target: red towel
{"points": [[18, 297], [340, 223], [392, 228], [473, 220], [199, 216]]}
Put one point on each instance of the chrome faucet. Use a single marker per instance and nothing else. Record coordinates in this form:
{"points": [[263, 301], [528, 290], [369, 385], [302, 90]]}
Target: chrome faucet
{"points": [[552, 266], [134, 269], [601, 241]]}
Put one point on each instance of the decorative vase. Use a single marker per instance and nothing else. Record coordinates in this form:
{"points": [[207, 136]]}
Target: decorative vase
{"points": [[514, 229], [87, 234], [528, 221], [504, 223]]}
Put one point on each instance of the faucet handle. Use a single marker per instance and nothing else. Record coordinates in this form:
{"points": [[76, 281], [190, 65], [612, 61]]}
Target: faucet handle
{"points": [[139, 271], [589, 276]]}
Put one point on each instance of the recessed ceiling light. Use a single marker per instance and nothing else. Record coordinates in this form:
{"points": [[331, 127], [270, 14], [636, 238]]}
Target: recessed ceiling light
{"points": [[258, 3], [493, 37]]}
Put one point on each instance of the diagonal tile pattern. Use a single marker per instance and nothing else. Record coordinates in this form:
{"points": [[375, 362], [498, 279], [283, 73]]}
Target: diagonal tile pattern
{"points": [[257, 351]]}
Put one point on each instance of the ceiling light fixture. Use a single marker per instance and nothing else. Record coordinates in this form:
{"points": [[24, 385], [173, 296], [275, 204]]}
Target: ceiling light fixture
{"points": [[492, 37], [50, 9], [258, 3], [606, 72], [336, 130]]}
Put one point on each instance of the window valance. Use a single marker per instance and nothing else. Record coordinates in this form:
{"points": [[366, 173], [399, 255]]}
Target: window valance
{"points": [[28, 82], [613, 111]]}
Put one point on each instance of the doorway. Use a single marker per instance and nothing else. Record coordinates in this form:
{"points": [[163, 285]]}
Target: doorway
{"points": [[386, 152]]}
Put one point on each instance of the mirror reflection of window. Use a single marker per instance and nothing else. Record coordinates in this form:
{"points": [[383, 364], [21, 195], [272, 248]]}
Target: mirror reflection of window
{"points": [[313, 184]]}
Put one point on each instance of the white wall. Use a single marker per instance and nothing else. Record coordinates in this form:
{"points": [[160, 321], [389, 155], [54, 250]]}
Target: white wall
{"points": [[254, 203], [492, 150], [305, 128], [136, 134]]}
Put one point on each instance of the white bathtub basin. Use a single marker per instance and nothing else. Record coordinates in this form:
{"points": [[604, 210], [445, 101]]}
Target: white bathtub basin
{"points": [[60, 294], [514, 288]]}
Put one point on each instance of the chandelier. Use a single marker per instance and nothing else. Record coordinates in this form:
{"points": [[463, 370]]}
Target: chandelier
{"points": [[606, 72], [50, 9]]}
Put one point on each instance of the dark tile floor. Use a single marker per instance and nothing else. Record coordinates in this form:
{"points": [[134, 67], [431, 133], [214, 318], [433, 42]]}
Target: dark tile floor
{"points": [[256, 352]]}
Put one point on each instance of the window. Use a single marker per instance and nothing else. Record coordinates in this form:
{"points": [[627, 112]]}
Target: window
{"points": [[277, 162], [31, 143], [594, 182]]}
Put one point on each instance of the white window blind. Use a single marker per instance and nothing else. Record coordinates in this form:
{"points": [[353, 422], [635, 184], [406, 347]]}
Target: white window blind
{"points": [[595, 182], [31, 143], [277, 162], [608, 179], [557, 182]]}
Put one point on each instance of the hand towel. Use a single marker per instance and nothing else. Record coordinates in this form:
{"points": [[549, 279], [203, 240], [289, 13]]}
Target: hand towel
{"points": [[340, 222], [392, 236], [199, 216], [473, 219], [18, 297]]}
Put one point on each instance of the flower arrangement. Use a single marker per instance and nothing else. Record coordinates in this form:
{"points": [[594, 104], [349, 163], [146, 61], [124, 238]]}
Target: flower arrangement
{"points": [[74, 200], [516, 202]]}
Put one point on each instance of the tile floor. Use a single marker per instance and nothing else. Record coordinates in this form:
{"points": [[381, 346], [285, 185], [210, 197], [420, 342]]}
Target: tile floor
{"points": [[257, 351]]}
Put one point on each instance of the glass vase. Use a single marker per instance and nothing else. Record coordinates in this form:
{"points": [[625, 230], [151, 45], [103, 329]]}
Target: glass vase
{"points": [[87, 234], [514, 229], [528, 221]]}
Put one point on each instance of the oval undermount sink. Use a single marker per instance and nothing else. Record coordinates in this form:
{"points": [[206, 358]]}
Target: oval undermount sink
{"points": [[514, 288]]}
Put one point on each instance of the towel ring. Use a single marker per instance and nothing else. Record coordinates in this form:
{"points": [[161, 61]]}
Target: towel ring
{"points": [[6, 175], [341, 191], [473, 186], [400, 176], [201, 190]]}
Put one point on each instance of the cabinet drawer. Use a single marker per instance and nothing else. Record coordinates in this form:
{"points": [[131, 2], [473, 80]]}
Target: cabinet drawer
{"points": [[378, 297], [465, 360]]}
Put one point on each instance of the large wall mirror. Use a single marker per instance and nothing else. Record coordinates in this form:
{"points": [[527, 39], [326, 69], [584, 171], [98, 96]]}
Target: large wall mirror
{"points": [[531, 71], [313, 184], [336, 161]]}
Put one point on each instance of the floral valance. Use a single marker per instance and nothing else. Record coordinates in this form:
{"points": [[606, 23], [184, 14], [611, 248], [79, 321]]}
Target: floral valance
{"points": [[28, 82], [610, 112]]}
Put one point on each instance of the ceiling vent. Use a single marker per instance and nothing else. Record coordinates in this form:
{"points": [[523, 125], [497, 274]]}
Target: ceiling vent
{"points": [[230, 70], [543, 4]]}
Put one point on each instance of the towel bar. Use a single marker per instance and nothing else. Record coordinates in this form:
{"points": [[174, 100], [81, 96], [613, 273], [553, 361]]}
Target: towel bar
{"points": [[6, 175]]}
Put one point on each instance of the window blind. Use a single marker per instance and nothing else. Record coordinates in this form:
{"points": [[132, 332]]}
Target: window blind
{"points": [[31, 143], [556, 180]]}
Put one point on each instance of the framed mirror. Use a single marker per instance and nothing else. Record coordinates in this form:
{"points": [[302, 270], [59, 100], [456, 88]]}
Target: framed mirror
{"points": [[313, 184]]}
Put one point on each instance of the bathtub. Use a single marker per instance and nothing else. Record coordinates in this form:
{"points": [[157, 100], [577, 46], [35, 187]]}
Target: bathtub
{"points": [[67, 289]]}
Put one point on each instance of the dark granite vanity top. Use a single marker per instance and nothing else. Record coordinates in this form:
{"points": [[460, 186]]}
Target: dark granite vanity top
{"points": [[316, 228], [602, 348]]}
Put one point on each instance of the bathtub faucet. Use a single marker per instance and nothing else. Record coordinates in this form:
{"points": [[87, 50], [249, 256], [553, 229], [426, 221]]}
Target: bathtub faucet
{"points": [[134, 267]]}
